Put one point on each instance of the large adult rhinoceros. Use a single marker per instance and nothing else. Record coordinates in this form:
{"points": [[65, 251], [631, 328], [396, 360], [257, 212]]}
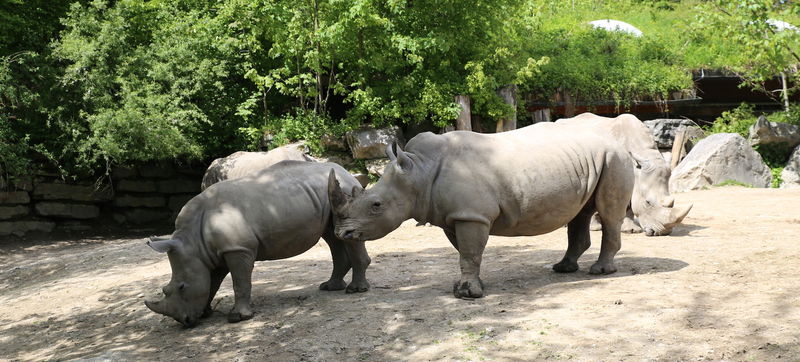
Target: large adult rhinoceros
{"points": [[277, 213], [651, 203], [239, 164], [528, 181]]}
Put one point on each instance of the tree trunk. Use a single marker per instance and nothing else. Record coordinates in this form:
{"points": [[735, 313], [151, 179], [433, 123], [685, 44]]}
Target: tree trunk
{"points": [[509, 95], [569, 105], [785, 92], [464, 121], [678, 148]]}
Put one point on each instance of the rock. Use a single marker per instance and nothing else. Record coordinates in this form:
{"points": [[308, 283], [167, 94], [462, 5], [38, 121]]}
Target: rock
{"points": [[74, 226], [59, 191], [14, 197], [239, 164], [158, 170], [64, 210], [20, 183], [664, 130], [376, 166], [332, 143], [179, 186], [143, 216], [10, 212], [362, 178], [791, 173], [176, 202], [718, 158], [139, 201], [136, 186], [367, 143], [765, 132], [341, 158], [20, 228], [667, 155]]}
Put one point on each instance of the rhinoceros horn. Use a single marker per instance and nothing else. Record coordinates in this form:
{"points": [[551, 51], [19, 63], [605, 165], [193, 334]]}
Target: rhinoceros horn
{"points": [[337, 197], [678, 213], [157, 307]]}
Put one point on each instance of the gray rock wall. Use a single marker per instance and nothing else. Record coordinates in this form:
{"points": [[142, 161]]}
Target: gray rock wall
{"points": [[142, 196]]}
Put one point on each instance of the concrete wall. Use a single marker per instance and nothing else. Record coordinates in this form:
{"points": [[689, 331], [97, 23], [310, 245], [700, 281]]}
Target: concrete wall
{"points": [[148, 195]]}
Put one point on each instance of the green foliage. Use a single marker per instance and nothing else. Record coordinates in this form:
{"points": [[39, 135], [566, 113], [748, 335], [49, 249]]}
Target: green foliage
{"points": [[738, 120], [733, 183], [297, 126], [775, 156]]}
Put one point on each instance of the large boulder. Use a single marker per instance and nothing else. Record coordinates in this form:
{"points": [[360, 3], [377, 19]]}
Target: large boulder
{"points": [[791, 173], [368, 143], [764, 132], [719, 158], [664, 130]]}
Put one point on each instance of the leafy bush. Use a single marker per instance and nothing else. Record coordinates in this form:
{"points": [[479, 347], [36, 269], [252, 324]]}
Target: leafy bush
{"points": [[738, 120]]}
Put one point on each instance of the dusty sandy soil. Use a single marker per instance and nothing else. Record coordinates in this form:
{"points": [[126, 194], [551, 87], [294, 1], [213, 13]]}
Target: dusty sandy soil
{"points": [[724, 286]]}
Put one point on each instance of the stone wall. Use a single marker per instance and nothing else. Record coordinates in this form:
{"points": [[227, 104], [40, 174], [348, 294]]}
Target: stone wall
{"points": [[148, 195]]}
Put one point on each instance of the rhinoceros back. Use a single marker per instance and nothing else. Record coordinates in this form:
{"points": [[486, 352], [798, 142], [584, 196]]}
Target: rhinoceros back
{"points": [[276, 213]]}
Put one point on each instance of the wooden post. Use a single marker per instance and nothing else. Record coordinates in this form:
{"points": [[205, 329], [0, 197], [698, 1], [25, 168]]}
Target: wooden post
{"points": [[509, 95], [678, 148], [464, 121]]}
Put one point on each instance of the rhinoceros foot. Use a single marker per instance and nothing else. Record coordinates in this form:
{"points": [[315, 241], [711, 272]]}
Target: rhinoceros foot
{"points": [[468, 289], [630, 226], [237, 316], [333, 285], [565, 266], [357, 287], [602, 268]]}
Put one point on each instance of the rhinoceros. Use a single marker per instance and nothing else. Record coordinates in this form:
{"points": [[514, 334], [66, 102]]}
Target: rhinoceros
{"points": [[529, 181], [651, 203], [276, 213], [239, 164]]}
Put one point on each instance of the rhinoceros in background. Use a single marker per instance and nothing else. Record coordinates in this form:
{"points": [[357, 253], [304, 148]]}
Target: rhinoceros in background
{"points": [[239, 164], [528, 181], [277, 213], [651, 202]]}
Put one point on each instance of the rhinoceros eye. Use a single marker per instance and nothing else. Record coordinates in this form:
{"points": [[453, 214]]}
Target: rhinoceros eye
{"points": [[182, 286], [376, 204]]}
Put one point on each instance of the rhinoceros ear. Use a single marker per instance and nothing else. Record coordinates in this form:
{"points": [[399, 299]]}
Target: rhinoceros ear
{"points": [[404, 162], [335, 195], [163, 246], [390, 153]]}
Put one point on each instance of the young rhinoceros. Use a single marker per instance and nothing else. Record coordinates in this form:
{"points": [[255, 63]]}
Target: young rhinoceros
{"points": [[277, 213], [529, 181]]}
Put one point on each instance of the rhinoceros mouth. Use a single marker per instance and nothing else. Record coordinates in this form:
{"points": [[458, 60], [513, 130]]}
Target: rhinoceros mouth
{"points": [[350, 235]]}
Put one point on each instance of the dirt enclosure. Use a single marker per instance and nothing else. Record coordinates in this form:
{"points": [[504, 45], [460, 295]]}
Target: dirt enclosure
{"points": [[724, 286]]}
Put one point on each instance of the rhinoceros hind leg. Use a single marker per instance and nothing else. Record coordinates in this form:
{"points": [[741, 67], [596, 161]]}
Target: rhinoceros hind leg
{"points": [[471, 237], [578, 240], [241, 267], [359, 259]]}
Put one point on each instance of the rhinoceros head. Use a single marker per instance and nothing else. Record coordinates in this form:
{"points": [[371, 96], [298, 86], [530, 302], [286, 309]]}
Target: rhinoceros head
{"points": [[186, 295], [651, 201], [373, 213]]}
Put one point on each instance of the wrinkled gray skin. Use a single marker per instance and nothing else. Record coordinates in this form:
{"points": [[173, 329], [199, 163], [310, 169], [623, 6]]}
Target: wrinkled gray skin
{"points": [[241, 163], [529, 181], [651, 204], [277, 213]]}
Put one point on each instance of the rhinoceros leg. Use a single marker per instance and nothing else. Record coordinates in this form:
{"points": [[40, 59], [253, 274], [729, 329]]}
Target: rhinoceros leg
{"points": [[579, 240], [217, 276], [359, 259], [341, 264], [452, 237], [241, 267], [629, 224], [471, 239]]}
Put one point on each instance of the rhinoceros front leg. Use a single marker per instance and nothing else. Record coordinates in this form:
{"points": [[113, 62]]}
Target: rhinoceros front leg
{"points": [[217, 276], [578, 241], [241, 266], [471, 239], [359, 259], [341, 264]]}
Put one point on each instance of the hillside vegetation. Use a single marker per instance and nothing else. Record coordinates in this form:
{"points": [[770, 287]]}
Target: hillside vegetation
{"points": [[89, 84]]}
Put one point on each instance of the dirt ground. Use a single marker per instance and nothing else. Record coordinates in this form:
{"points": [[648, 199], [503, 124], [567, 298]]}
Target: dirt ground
{"points": [[724, 286]]}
